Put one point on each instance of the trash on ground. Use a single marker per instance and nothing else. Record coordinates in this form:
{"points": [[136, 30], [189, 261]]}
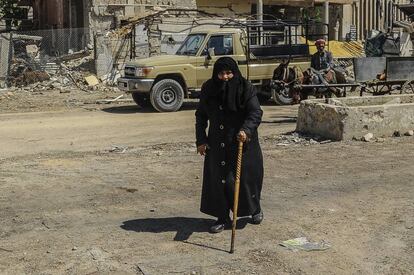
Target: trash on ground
{"points": [[303, 243]]}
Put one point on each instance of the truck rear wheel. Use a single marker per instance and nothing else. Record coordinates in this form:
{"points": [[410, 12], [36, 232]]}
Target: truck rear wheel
{"points": [[282, 96], [141, 99], [167, 95]]}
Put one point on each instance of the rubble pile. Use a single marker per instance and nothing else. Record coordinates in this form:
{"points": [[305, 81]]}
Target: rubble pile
{"points": [[33, 70]]}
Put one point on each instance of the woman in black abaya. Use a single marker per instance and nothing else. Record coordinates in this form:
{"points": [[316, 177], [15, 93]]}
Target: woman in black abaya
{"points": [[230, 108]]}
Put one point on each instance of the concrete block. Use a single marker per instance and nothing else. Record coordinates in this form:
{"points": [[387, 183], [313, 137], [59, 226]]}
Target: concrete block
{"points": [[354, 117]]}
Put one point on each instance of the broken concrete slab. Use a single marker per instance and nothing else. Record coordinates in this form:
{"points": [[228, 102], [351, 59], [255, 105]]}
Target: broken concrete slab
{"points": [[356, 116], [92, 80]]}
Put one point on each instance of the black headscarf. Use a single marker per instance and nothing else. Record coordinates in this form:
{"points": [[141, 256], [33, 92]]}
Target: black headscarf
{"points": [[231, 91]]}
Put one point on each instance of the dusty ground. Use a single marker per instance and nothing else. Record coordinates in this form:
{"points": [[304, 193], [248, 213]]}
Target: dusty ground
{"points": [[99, 189]]}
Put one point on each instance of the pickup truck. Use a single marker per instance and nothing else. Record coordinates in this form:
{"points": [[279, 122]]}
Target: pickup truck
{"points": [[164, 81]]}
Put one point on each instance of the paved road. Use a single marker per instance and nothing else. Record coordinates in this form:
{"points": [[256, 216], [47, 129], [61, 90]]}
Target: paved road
{"points": [[80, 130]]}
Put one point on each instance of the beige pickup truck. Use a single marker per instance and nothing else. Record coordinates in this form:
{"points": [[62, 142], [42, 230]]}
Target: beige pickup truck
{"points": [[165, 81]]}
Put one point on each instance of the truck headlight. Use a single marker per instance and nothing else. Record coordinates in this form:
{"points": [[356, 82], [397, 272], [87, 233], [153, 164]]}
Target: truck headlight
{"points": [[143, 71]]}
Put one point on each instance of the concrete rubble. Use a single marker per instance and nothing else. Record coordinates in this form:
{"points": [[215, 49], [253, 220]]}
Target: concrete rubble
{"points": [[32, 73], [295, 138]]}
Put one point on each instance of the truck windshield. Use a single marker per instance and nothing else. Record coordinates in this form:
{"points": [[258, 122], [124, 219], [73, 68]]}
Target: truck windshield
{"points": [[191, 44]]}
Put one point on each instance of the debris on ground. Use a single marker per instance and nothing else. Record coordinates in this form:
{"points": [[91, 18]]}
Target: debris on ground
{"points": [[303, 243], [368, 137], [118, 149], [409, 133], [92, 80], [295, 138], [117, 99]]}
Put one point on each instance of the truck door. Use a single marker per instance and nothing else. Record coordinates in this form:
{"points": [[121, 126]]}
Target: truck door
{"points": [[223, 46]]}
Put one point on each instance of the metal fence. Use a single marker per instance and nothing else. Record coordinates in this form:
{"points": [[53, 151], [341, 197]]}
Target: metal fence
{"points": [[39, 50], [56, 42]]}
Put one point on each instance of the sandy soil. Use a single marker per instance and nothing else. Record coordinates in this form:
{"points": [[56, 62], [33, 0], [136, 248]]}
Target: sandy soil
{"points": [[115, 189]]}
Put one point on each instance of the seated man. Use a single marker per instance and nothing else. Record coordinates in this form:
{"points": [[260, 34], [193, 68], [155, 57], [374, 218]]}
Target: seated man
{"points": [[322, 59]]}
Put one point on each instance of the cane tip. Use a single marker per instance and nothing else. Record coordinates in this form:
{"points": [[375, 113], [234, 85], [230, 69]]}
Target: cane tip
{"points": [[232, 251]]}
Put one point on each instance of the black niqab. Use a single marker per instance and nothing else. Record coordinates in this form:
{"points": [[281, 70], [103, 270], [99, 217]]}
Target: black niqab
{"points": [[232, 90]]}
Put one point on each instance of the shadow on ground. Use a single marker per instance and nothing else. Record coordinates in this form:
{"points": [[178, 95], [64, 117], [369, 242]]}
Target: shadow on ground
{"points": [[184, 227], [131, 109], [282, 119]]}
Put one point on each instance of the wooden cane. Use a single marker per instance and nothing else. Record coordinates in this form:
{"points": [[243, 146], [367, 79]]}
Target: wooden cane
{"points": [[236, 195]]}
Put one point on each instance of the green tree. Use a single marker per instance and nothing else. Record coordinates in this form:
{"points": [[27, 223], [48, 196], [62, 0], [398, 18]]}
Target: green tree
{"points": [[11, 13]]}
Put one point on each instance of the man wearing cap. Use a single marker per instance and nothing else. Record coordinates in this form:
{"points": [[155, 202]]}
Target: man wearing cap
{"points": [[322, 59]]}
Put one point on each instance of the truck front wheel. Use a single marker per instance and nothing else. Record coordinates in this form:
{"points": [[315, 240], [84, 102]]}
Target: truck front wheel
{"points": [[141, 99], [167, 95]]}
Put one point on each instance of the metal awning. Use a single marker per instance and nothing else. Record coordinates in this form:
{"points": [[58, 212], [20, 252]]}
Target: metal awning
{"points": [[290, 3]]}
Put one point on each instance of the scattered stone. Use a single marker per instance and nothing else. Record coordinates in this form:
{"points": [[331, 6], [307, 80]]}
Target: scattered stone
{"points": [[32, 50], [380, 139], [118, 149], [74, 248], [92, 80], [312, 141], [409, 133], [367, 137], [397, 134]]}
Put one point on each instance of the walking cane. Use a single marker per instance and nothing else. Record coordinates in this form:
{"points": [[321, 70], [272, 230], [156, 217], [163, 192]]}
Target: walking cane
{"points": [[236, 195]]}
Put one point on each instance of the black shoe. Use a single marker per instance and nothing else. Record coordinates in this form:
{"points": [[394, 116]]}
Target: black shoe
{"points": [[219, 226], [257, 218]]}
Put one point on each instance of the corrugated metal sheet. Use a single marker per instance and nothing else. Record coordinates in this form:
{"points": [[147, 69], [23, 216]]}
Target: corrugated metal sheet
{"points": [[341, 49]]}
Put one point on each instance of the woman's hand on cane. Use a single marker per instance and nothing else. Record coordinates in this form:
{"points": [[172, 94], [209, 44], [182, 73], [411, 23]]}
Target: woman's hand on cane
{"points": [[201, 149], [242, 136]]}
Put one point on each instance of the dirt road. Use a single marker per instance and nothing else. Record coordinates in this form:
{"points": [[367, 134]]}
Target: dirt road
{"points": [[117, 190]]}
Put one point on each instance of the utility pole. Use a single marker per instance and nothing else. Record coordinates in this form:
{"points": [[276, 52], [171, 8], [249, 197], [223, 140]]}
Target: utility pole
{"points": [[326, 18], [260, 20]]}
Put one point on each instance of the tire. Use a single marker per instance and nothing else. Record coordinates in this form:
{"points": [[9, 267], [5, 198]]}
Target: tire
{"points": [[281, 97], [167, 95], [141, 99]]}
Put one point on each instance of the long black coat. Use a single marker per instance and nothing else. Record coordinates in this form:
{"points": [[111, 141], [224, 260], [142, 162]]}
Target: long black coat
{"points": [[220, 160]]}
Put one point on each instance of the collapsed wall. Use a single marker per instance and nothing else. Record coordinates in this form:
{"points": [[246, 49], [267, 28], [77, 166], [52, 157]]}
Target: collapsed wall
{"points": [[109, 14]]}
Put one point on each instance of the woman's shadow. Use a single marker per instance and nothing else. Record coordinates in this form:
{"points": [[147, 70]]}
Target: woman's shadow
{"points": [[184, 227]]}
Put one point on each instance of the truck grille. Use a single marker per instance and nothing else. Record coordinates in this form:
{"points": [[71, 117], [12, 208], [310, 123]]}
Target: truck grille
{"points": [[129, 71]]}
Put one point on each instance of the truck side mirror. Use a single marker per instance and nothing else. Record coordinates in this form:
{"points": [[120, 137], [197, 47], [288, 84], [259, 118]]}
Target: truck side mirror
{"points": [[210, 53]]}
